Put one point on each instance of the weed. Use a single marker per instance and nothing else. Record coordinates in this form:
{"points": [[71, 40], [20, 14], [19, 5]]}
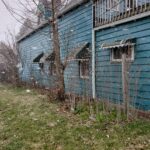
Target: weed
{"points": [[30, 121]]}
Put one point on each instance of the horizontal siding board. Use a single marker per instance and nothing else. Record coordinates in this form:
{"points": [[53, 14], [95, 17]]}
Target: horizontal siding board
{"points": [[76, 27], [119, 36], [108, 74], [30, 48], [125, 26], [82, 11]]}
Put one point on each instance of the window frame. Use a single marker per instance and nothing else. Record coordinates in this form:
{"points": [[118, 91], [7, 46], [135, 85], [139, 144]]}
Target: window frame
{"points": [[80, 69], [120, 60], [42, 68], [52, 72]]}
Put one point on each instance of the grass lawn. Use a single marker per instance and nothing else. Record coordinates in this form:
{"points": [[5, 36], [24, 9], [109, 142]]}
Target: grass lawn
{"points": [[28, 121]]}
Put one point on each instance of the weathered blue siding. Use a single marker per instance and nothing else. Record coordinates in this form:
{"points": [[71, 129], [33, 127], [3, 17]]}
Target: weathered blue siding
{"points": [[30, 48], [75, 28], [108, 74]]}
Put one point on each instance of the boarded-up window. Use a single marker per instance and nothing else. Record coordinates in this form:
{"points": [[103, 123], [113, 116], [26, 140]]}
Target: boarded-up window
{"points": [[52, 69], [116, 53], [41, 65], [84, 69]]}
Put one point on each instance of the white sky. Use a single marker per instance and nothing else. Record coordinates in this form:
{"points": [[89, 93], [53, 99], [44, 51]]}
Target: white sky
{"points": [[6, 20]]}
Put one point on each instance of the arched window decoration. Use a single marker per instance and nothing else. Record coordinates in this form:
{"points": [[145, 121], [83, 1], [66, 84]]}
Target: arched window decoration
{"points": [[82, 54], [38, 58]]}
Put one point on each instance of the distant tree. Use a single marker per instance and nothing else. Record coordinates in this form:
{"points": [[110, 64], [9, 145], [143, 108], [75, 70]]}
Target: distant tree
{"points": [[8, 63], [25, 27]]}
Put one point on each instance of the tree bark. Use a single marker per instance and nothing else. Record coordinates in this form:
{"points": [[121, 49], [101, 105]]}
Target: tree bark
{"points": [[56, 46]]}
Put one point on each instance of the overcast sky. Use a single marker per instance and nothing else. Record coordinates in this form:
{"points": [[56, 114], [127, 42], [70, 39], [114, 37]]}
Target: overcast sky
{"points": [[6, 20]]}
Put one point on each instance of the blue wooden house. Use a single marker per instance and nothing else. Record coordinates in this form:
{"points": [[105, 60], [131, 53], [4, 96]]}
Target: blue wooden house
{"points": [[122, 27], [94, 37], [75, 30]]}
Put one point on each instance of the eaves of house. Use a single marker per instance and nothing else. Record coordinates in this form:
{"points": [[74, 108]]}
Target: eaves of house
{"points": [[71, 6]]}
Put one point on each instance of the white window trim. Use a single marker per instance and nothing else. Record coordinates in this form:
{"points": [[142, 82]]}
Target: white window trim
{"points": [[81, 76], [128, 59]]}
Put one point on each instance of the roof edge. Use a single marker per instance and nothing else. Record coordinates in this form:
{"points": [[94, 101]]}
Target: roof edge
{"points": [[71, 6], [65, 10], [32, 31]]}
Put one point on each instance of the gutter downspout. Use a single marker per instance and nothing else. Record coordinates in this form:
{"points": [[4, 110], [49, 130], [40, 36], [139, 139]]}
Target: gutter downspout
{"points": [[93, 54], [93, 65]]}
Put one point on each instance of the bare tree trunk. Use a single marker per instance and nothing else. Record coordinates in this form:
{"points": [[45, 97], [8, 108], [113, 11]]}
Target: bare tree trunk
{"points": [[56, 47]]}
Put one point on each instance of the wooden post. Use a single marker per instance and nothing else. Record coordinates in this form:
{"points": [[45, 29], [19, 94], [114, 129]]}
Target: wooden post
{"points": [[125, 84]]}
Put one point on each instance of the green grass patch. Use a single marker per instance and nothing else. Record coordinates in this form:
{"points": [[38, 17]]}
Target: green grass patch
{"points": [[28, 121]]}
